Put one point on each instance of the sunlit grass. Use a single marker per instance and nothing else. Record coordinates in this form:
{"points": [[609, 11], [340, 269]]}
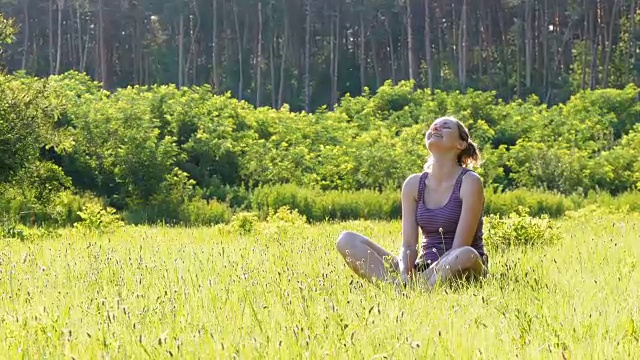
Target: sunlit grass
{"points": [[160, 292]]}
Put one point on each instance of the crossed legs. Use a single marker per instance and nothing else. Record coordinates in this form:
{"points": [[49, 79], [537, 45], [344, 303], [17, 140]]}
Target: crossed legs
{"points": [[372, 262]]}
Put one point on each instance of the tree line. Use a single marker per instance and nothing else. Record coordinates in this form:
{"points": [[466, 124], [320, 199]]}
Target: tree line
{"points": [[309, 54]]}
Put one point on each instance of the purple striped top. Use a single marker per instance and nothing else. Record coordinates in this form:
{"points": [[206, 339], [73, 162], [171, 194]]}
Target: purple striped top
{"points": [[436, 242]]}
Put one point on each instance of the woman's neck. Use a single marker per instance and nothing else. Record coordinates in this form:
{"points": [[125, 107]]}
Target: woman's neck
{"points": [[444, 169]]}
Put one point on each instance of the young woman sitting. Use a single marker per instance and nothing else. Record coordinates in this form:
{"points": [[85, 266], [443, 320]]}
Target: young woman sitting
{"points": [[445, 203]]}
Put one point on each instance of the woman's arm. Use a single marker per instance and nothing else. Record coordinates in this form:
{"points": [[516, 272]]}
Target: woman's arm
{"points": [[472, 196], [408, 251]]}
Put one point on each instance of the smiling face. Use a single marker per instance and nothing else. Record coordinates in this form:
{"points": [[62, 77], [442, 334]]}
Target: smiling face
{"points": [[444, 135]]}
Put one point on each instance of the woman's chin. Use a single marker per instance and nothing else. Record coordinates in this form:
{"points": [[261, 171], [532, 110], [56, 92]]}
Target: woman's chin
{"points": [[435, 146]]}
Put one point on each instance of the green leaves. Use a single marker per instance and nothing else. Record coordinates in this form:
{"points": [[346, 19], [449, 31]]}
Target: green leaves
{"points": [[519, 229], [166, 149], [7, 31], [24, 127]]}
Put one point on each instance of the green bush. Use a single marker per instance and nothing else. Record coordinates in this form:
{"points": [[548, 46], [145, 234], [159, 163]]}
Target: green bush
{"points": [[519, 229], [98, 218], [201, 212], [286, 215], [25, 126], [243, 222], [22, 206], [537, 203], [318, 205], [282, 222], [628, 201], [152, 153]]}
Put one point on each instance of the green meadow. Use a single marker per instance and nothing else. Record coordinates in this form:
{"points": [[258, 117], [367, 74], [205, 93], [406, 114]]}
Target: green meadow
{"points": [[278, 289], [190, 220]]}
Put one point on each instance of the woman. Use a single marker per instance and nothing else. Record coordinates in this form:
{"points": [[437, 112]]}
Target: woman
{"points": [[445, 202]]}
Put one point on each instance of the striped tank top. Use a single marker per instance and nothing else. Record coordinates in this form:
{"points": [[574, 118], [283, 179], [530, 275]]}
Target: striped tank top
{"points": [[439, 226]]}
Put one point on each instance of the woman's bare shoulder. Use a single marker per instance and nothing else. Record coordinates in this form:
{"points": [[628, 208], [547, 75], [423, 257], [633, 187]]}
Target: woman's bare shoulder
{"points": [[411, 184], [472, 186], [471, 178]]}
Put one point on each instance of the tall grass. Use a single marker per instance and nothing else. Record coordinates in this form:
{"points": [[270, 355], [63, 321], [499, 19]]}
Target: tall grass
{"points": [[284, 292]]}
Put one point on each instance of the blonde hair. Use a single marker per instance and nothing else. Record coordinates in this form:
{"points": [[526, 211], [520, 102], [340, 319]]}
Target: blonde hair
{"points": [[469, 157]]}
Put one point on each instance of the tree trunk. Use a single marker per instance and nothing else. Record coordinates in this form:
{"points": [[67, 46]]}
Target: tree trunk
{"points": [[374, 58], [362, 49], [505, 48], [272, 43], [71, 40], [455, 40], [607, 61], [240, 48], [332, 55], [307, 58], [462, 55], [187, 63], [558, 39], [392, 54], [487, 30], [25, 44], [103, 50], [489, 27], [214, 48], [259, 65], [528, 42], [194, 47], [545, 48], [283, 59], [334, 80], [518, 63], [194, 29], [81, 52], [585, 35], [259, 58], [224, 44], [410, 47], [147, 62], [51, 63], [97, 73], [439, 32], [481, 40], [594, 47], [135, 45], [427, 44], [245, 31], [561, 54], [140, 42], [635, 65], [181, 51], [85, 54], [603, 31], [272, 70]]}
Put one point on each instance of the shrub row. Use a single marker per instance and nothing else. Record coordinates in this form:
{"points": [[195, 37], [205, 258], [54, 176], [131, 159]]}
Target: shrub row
{"points": [[314, 205], [163, 154]]}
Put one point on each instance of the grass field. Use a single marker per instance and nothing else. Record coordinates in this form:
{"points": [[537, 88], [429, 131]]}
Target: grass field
{"points": [[284, 292]]}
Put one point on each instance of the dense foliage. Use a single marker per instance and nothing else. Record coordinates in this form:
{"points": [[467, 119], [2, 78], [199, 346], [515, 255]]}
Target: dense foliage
{"points": [[188, 155]]}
